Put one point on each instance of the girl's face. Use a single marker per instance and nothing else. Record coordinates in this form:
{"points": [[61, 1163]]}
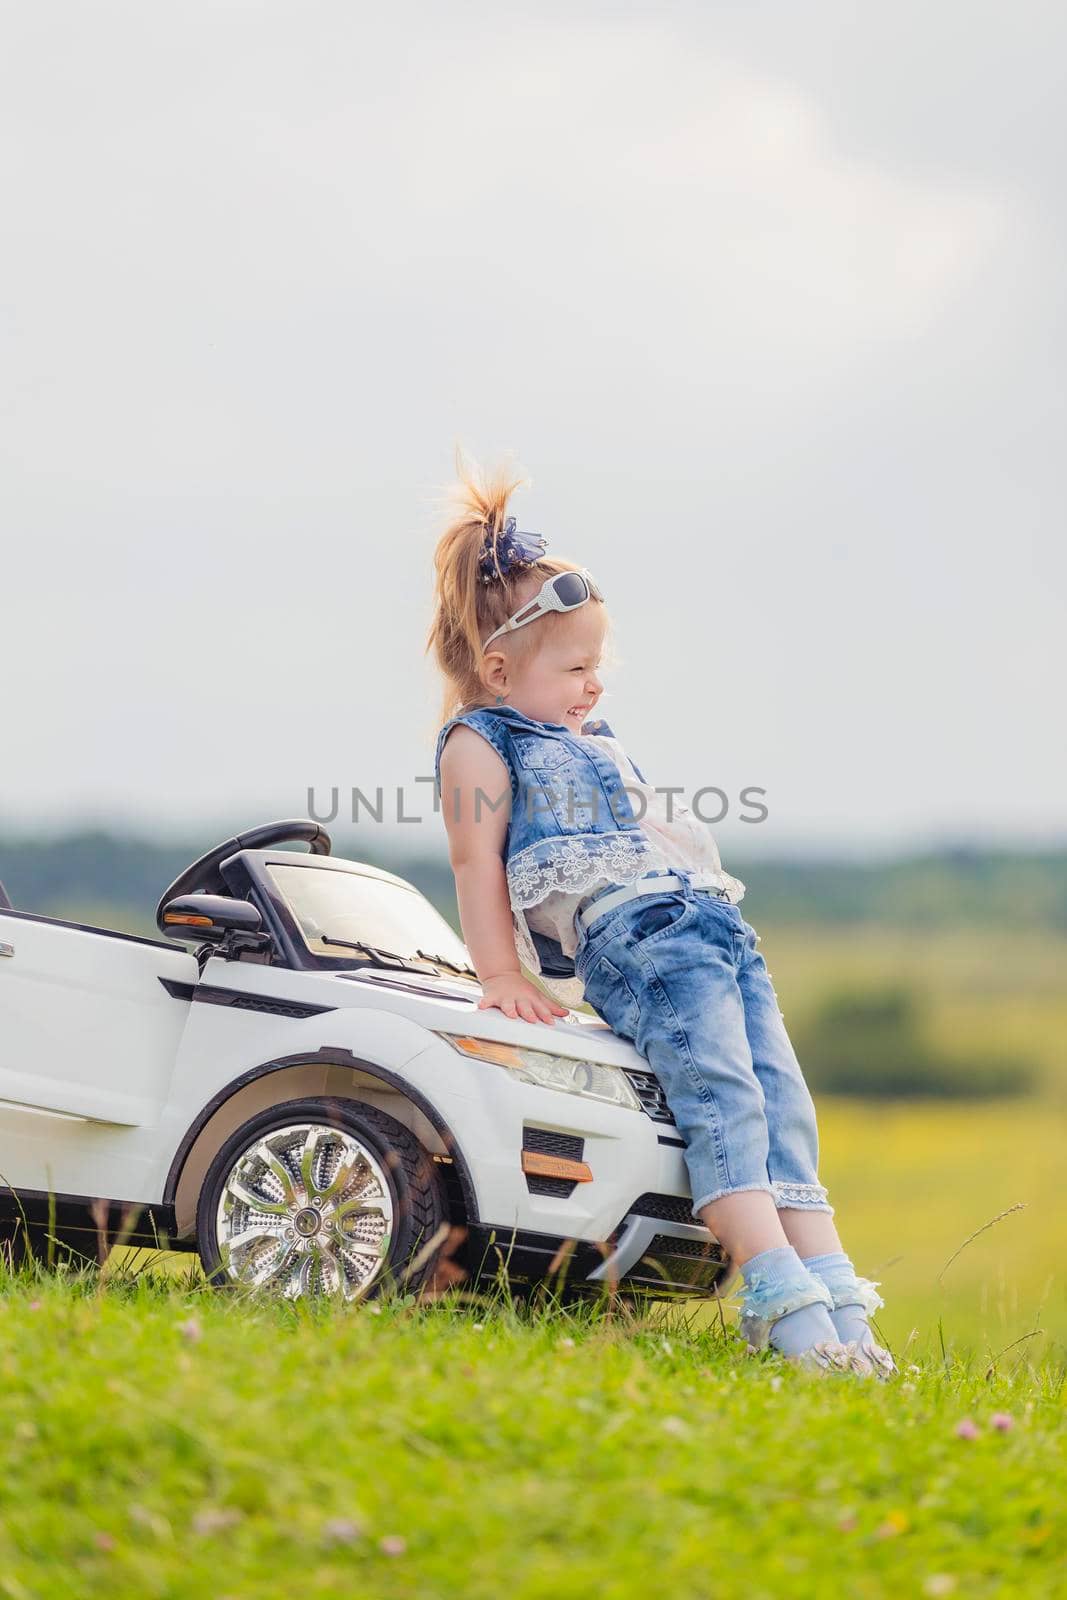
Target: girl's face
{"points": [[561, 682]]}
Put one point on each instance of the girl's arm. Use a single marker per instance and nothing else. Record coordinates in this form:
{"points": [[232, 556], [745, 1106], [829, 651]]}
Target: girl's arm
{"points": [[476, 828]]}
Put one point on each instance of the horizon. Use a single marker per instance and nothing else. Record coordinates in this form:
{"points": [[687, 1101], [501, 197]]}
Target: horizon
{"points": [[399, 843]]}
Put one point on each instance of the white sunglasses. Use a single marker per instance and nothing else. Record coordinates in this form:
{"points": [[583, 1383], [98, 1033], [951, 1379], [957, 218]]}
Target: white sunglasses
{"points": [[564, 591]]}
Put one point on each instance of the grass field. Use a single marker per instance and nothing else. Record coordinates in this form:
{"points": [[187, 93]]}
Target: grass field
{"points": [[161, 1440]]}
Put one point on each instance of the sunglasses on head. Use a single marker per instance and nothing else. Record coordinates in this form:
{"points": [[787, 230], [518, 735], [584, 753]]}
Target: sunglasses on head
{"points": [[564, 591]]}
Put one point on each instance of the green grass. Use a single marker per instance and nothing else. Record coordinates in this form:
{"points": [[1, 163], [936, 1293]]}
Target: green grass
{"points": [[162, 1441]]}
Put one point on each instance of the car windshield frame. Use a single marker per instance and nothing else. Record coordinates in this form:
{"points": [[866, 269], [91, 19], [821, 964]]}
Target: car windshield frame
{"points": [[389, 924]]}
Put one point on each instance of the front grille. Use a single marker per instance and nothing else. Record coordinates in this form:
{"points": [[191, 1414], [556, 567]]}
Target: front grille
{"points": [[665, 1244], [551, 1143], [537, 1183], [670, 1207], [669, 1265], [649, 1091]]}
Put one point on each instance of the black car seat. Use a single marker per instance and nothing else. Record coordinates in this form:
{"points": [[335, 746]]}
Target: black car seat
{"points": [[5, 903]]}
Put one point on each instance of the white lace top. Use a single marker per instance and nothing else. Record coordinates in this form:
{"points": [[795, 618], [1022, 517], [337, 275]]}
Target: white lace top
{"points": [[676, 840]]}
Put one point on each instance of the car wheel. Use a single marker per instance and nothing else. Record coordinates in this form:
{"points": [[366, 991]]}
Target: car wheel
{"points": [[321, 1196]]}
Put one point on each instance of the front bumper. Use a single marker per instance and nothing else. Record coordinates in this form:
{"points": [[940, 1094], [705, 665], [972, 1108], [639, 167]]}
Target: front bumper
{"points": [[650, 1251], [629, 1222], [494, 1117]]}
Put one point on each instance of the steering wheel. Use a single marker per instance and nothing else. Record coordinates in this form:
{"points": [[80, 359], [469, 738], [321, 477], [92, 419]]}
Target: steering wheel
{"points": [[204, 877]]}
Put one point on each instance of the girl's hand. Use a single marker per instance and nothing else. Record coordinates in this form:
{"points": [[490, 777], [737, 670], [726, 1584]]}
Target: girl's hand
{"points": [[517, 997]]}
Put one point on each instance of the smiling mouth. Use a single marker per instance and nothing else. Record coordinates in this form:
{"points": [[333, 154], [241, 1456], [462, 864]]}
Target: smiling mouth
{"points": [[578, 711]]}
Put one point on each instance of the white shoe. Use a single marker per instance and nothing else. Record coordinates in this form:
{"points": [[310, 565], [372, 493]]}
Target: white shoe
{"points": [[863, 1361], [829, 1356], [879, 1359]]}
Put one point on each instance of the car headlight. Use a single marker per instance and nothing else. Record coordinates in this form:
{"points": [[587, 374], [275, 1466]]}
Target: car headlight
{"points": [[570, 1075]]}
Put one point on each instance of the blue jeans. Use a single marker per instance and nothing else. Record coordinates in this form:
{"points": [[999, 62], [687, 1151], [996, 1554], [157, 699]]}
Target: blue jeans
{"points": [[679, 975]]}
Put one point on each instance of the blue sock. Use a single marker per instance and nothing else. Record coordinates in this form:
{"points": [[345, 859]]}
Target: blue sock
{"points": [[798, 1330], [850, 1320]]}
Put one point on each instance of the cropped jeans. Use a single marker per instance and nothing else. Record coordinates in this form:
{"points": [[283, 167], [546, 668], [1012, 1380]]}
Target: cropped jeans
{"points": [[679, 975]]}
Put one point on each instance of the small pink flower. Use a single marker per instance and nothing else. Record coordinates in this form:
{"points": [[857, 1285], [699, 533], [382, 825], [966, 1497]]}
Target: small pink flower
{"points": [[393, 1544], [1003, 1421], [34, 1305], [216, 1519], [967, 1429], [190, 1330], [342, 1530]]}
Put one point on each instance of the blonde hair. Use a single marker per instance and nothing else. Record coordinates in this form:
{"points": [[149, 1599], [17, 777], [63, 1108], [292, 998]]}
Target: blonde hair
{"points": [[466, 608]]}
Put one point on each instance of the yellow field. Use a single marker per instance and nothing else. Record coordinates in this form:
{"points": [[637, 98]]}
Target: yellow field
{"points": [[910, 1181]]}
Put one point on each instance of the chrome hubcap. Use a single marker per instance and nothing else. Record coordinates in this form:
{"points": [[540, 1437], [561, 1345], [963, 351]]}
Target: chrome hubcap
{"points": [[306, 1209]]}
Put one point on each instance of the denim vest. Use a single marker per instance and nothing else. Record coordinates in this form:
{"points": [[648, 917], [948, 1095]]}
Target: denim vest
{"points": [[571, 822]]}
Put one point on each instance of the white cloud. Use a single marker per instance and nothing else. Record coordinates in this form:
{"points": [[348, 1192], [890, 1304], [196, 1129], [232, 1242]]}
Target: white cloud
{"points": [[263, 263]]}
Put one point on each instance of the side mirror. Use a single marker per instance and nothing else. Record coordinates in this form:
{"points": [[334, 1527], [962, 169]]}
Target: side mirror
{"points": [[211, 919]]}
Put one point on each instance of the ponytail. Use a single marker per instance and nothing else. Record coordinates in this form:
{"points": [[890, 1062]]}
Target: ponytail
{"points": [[467, 609]]}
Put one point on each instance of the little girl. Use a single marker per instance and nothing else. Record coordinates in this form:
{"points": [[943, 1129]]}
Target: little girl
{"points": [[553, 864]]}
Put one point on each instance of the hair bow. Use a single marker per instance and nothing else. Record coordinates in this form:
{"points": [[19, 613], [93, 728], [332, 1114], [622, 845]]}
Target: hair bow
{"points": [[513, 549]]}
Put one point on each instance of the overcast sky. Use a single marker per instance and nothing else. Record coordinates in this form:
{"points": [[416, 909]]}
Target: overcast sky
{"points": [[767, 299]]}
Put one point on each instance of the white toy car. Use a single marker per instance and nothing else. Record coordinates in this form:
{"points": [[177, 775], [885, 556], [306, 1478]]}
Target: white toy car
{"points": [[309, 1096]]}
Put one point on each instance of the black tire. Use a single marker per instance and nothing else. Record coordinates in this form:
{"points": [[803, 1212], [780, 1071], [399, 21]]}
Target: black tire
{"points": [[419, 1206]]}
